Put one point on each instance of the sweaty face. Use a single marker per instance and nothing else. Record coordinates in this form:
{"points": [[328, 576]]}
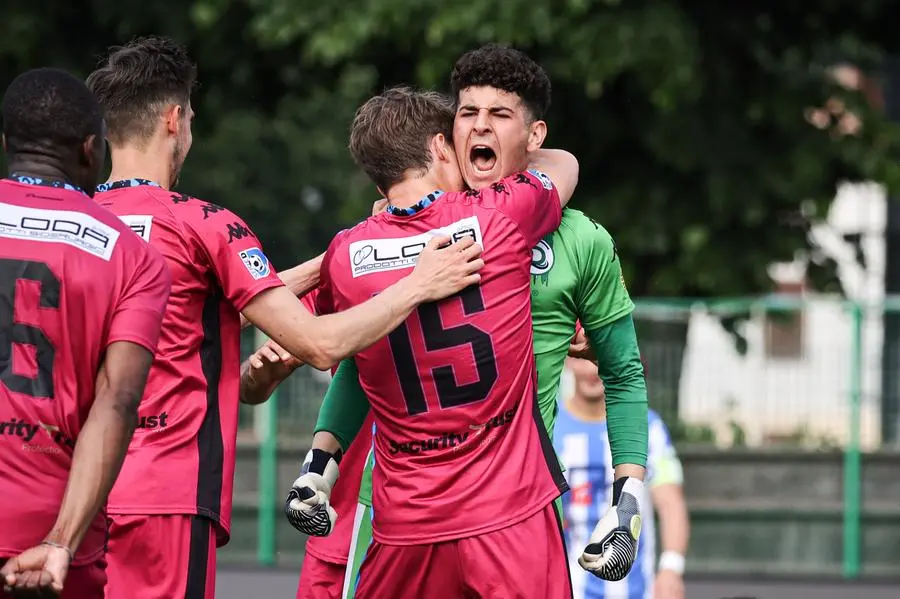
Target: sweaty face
{"points": [[183, 142], [490, 134], [587, 381]]}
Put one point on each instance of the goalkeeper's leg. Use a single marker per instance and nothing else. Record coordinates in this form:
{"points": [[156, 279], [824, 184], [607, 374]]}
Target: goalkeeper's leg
{"points": [[359, 546]]}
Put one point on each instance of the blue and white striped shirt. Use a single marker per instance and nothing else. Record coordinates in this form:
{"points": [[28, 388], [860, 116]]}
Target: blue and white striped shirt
{"points": [[584, 450]]}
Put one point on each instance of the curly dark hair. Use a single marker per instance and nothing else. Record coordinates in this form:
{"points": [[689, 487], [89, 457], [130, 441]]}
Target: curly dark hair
{"points": [[45, 109], [137, 80], [504, 68]]}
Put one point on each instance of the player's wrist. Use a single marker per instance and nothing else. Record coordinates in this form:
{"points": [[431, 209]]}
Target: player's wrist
{"points": [[59, 538], [410, 291], [671, 561], [61, 548], [631, 485]]}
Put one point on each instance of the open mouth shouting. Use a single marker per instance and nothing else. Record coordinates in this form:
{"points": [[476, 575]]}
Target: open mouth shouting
{"points": [[483, 158]]}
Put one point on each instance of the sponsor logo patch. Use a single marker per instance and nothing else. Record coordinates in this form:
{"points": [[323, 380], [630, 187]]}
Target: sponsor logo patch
{"points": [[371, 256], [75, 229]]}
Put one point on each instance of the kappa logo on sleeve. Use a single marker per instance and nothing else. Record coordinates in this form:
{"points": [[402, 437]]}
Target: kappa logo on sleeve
{"points": [[543, 178], [256, 262], [371, 256]]}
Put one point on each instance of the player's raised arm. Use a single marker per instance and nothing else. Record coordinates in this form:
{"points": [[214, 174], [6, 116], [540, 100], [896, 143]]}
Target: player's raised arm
{"points": [[561, 167], [300, 279], [325, 340]]}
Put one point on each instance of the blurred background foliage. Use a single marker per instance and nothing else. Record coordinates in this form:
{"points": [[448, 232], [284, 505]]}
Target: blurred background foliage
{"points": [[689, 118]]}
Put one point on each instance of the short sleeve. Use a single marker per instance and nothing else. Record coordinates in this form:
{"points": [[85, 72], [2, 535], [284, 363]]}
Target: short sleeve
{"points": [[234, 253], [138, 313], [530, 199], [601, 296], [325, 298], [663, 465]]}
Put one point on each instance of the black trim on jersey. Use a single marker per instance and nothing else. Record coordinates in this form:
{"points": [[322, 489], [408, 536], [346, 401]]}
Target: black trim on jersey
{"points": [[198, 558], [556, 472], [210, 444], [565, 553]]}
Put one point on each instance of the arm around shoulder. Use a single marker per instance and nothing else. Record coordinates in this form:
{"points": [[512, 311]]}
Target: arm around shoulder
{"points": [[562, 168]]}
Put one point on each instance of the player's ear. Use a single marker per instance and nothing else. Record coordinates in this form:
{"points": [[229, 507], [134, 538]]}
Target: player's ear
{"points": [[88, 150], [441, 148], [537, 133], [172, 114]]}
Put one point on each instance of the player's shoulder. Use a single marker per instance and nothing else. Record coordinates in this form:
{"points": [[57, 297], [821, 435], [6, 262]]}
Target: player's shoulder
{"points": [[575, 222], [373, 225], [194, 210], [530, 180]]}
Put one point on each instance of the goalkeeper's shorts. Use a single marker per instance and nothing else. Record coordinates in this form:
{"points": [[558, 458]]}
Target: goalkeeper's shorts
{"points": [[161, 556], [524, 560]]}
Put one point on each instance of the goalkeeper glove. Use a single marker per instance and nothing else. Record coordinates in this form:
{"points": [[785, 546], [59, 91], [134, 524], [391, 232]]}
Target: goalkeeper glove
{"points": [[613, 545], [308, 506]]}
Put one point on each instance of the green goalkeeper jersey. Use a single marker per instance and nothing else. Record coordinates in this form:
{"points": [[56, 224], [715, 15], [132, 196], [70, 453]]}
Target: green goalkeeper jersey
{"points": [[576, 275]]}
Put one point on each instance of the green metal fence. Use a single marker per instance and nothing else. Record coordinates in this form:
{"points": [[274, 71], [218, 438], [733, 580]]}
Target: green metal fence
{"points": [[732, 378]]}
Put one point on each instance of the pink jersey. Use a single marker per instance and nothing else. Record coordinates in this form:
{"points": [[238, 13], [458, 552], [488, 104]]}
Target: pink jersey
{"points": [[335, 547], [73, 280], [460, 449], [181, 460]]}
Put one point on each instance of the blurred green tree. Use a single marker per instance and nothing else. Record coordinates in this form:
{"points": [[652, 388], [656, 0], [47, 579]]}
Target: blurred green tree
{"points": [[689, 117]]}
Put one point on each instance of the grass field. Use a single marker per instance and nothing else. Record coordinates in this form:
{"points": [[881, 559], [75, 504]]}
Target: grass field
{"points": [[281, 584]]}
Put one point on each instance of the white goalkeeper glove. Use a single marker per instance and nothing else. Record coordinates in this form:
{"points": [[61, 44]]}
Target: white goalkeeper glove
{"points": [[613, 545], [308, 504]]}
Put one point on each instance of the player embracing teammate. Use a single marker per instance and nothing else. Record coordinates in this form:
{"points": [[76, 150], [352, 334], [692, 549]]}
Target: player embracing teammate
{"points": [[171, 506], [501, 97]]}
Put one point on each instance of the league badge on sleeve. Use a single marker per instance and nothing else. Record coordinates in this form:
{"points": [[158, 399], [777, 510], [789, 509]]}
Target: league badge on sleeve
{"points": [[256, 262], [543, 178]]}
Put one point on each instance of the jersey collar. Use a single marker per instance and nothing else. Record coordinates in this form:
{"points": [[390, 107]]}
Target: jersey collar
{"points": [[123, 183], [20, 178], [417, 207]]}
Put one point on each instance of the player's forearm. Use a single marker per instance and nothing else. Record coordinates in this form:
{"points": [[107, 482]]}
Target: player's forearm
{"points": [[299, 280], [98, 457], [344, 409], [674, 522], [345, 334], [561, 167], [303, 277], [324, 341], [619, 365]]}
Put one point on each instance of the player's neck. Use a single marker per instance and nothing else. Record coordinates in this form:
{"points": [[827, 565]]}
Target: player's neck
{"points": [[39, 169], [583, 409], [408, 192], [130, 162]]}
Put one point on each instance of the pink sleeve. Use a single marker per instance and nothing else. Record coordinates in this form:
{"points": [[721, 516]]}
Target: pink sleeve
{"points": [[325, 296], [138, 314], [530, 199], [234, 254]]}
